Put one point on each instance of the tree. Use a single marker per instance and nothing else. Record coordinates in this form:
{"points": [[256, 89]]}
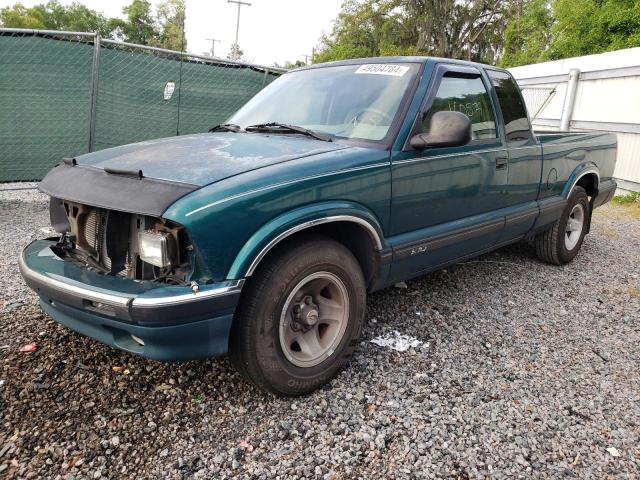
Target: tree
{"points": [[164, 30], [361, 30], [53, 16], [20, 16], [528, 34], [583, 27], [511, 32], [140, 26], [556, 29], [455, 29], [171, 18], [468, 29], [235, 53], [292, 65]]}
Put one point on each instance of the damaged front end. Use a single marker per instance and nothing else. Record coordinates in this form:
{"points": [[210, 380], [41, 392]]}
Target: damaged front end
{"points": [[128, 245], [111, 222], [121, 273]]}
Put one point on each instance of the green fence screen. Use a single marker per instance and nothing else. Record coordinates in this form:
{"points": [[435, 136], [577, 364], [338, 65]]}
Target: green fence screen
{"points": [[48, 99]]}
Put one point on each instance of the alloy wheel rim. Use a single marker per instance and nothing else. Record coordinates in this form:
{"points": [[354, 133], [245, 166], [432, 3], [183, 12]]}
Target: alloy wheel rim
{"points": [[573, 231], [314, 319]]}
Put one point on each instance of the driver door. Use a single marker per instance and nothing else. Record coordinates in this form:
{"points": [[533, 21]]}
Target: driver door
{"points": [[446, 201]]}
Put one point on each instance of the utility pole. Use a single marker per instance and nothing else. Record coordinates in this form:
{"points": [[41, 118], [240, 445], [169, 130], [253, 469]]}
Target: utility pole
{"points": [[240, 3], [213, 45]]}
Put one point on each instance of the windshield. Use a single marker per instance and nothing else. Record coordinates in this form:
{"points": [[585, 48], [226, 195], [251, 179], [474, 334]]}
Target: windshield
{"points": [[352, 101]]}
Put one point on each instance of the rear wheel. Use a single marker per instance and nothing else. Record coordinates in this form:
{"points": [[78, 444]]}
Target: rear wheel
{"points": [[300, 317], [562, 242]]}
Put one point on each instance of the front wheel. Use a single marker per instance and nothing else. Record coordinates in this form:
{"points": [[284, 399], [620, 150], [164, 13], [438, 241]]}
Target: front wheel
{"points": [[562, 242], [300, 317]]}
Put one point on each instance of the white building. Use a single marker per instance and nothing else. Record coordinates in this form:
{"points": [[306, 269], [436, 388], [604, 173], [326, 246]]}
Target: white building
{"points": [[594, 92]]}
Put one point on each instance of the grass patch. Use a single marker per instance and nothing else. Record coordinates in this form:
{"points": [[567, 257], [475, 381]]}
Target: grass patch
{"points": [[629, 205], [628, 199], [607, 232], [634, 292]]}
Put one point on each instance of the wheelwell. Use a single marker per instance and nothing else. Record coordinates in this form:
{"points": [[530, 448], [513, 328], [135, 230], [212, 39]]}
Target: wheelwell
{"points": [[590, 183], [350, 234]]}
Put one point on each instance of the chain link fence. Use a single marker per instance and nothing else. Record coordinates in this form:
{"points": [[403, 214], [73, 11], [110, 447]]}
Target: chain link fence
{"points": [[537, 98], [64, 93]]}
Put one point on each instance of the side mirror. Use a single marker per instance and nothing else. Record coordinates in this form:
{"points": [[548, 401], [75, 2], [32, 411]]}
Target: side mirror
{"points": [[447, 129]]}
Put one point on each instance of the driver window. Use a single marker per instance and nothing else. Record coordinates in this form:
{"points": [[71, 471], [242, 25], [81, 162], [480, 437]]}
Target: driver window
{"points": [[468, 96]]}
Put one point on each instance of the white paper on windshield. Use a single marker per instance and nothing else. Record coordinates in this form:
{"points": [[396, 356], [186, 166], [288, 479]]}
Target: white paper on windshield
{"points": [[383, 69]]}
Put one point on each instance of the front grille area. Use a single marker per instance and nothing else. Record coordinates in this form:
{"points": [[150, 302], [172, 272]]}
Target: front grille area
{"points": [[107, 241], [94, 228], [94, 236], [89, 227]]}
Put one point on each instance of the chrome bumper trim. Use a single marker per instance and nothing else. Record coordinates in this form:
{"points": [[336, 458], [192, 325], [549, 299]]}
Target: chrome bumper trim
{"points": [[106, 298], [231, 287]]}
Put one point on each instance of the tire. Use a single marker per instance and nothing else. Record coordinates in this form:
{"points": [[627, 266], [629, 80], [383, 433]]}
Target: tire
{"points": [[264, 333], [559, 246]]}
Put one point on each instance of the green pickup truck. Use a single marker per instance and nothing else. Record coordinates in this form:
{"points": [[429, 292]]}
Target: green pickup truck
{"points": [[262, 237]]}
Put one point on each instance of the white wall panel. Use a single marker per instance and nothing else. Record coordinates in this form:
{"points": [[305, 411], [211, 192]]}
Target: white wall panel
{"points": [[628, 57], [608, 100], [628, 163], [607, 103]]}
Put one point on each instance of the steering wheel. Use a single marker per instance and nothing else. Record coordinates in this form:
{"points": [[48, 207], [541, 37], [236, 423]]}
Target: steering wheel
{"points": [[365, 114]]}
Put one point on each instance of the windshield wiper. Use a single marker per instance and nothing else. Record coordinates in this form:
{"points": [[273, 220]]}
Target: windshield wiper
{"points": [[226, 127], [276, 126]]}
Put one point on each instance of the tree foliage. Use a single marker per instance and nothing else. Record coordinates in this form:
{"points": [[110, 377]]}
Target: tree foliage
{"points": [[509, 32], [140, 26], [556, 29], [288, 65], [528, 34], [583, 27], [53, 16], [468, 29], [165, 29], [171, 16], [235, 53]]}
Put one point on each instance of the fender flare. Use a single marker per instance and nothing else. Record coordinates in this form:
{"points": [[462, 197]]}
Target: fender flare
{"points": [[578, 173], [276, 230]]}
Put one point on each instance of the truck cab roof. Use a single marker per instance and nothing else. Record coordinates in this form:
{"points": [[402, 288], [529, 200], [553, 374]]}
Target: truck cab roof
{"points": [[395, 59]]}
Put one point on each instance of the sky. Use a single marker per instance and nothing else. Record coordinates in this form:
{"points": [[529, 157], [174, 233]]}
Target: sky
{"points": [[270, 30]]}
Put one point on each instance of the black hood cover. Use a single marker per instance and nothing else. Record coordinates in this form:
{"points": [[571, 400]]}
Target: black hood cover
{"points": [[113, 190]]}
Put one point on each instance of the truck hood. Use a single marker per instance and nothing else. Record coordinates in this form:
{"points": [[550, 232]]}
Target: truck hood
{"points": [[205, 158], [171, 168]]}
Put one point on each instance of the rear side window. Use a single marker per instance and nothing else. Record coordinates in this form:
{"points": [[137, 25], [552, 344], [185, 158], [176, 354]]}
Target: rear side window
{"points": [[467, 95], [514, 112]]}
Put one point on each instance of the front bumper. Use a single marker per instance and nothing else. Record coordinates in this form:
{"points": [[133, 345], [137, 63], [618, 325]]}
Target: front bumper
{"points": [[154, 320]]}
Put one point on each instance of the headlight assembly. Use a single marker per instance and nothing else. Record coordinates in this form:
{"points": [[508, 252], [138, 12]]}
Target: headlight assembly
{"points": [[156, 248]]}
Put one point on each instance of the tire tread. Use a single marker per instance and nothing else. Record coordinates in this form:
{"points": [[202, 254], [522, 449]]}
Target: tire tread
{"points": [[242, 349], [548, 244]]}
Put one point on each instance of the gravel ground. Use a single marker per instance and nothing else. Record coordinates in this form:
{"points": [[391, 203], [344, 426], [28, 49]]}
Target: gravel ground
{"points": [[525, 370]]}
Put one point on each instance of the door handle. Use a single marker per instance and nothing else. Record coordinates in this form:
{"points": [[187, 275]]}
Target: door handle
{"points": [[501, 163]]}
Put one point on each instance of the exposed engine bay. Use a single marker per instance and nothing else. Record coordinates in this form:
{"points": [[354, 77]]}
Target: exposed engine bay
{"points": [[128, 245]]}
